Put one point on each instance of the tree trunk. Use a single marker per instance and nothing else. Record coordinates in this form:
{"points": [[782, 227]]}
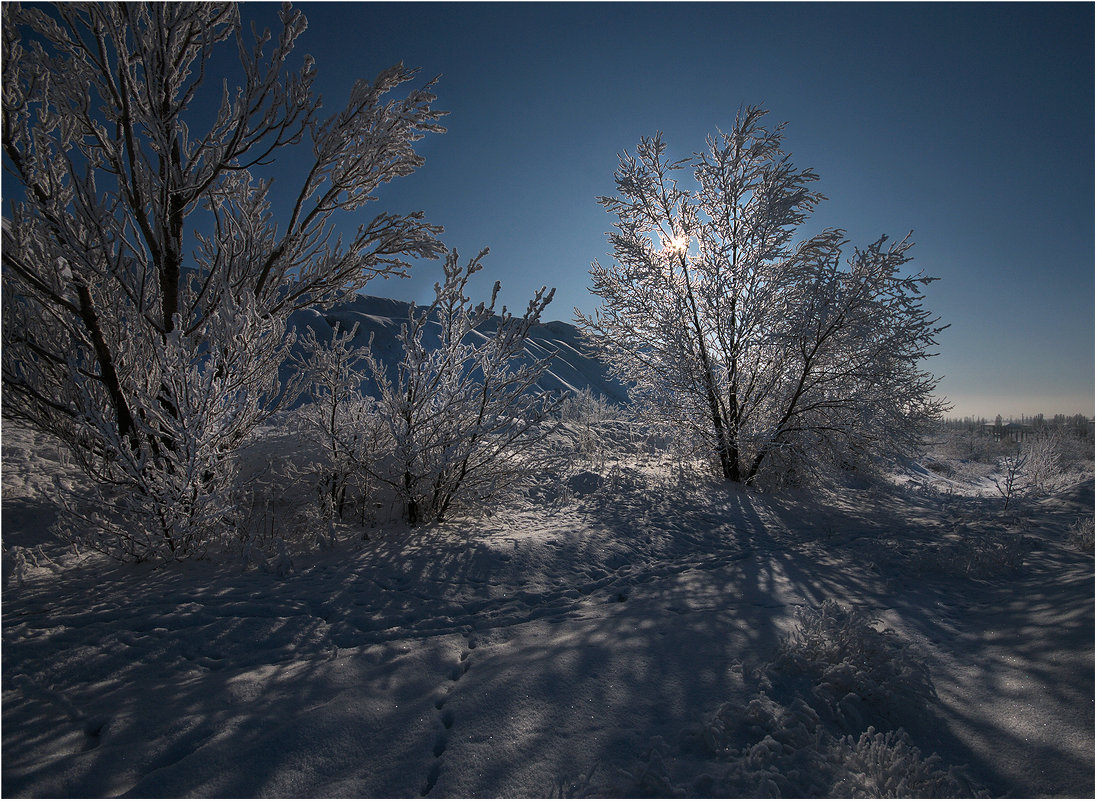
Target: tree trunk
{"points": [[726, 451], [123, 416], [755, 465], [412, 505], [729, 462]]}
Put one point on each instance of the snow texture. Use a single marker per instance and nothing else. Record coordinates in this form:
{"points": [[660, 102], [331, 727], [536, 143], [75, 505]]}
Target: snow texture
{"points": [[632, 629]]}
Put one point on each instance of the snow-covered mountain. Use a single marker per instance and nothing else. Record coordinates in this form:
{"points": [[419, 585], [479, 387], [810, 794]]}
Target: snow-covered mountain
{"points": [[573, 367]]}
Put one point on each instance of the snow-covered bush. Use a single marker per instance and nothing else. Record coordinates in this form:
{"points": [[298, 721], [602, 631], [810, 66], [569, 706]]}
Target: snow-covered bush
{"points": [[772, 750], [20, 561], [350, 434], [1081, 534], [463, 411], [889, 765], [797, 758], [985, 551], [1012, 480], [827, 722], [598, 432], [282, 506], [587, 416], [1040, 465], [850, 672], [146, 283], [795, 725], [1053, 460]]}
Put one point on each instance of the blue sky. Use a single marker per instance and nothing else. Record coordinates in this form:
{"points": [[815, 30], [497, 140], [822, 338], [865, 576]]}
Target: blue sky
{"points": [[970, 124]]}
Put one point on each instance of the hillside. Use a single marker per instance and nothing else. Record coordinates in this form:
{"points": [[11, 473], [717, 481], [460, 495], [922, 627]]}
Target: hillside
{"points": [[572, 368]]}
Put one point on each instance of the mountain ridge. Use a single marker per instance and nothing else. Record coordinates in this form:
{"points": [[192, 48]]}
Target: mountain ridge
{"points": [[572, 367]]}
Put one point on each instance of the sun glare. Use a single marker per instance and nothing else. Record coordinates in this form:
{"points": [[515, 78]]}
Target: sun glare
{"points": [[676, 244]]}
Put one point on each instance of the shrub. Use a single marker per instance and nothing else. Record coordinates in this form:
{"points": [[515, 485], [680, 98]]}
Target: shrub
{"points": [[345, 426], [850, 672], [463, 411], [1081, 534], [985, 552], [889, 765], [1051, 459], [810, 732], [1012, 481], [588, 418]]}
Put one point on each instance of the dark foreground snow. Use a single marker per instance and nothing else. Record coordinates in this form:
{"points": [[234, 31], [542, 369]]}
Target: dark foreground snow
{"points": [[624, 634]]}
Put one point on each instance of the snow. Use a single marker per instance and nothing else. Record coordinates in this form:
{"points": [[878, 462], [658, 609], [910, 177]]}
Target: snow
{"points": [[629, 628]]}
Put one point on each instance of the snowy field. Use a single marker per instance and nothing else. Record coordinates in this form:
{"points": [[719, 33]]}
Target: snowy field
{"points": [[626, 628]]}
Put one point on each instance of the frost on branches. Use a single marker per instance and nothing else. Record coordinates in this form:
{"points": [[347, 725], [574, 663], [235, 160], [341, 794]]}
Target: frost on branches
{"points": [[340, 419], [463, 409], [781, 354], [146, 284]]}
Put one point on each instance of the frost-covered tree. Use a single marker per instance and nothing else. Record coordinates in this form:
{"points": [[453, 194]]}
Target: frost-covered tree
{"points": [[146, 281], [775, 351], [463, 408]]}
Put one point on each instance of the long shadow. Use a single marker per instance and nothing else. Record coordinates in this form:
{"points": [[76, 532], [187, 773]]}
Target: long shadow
{"points": [[1034, 626], [643, 610], [116, 654]]}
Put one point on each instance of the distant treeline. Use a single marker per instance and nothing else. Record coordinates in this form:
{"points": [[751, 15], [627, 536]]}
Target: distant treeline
{"points": [[1077, 424]]}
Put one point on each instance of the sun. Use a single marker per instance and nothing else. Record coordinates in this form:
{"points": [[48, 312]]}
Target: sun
{"points": [[676, 244]]}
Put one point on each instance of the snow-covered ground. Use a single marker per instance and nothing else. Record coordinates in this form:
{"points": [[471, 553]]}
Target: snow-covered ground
{"points": [[627, 628]]}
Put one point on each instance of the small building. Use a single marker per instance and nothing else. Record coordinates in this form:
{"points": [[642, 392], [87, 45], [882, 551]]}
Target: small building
{"points": [[1012, 432]]}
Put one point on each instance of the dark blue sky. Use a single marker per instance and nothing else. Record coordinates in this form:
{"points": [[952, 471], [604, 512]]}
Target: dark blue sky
{"points": [[971, 124]]}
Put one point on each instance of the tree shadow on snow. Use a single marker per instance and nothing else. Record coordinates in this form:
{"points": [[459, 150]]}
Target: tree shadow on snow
{"points": [[510, 658]]}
